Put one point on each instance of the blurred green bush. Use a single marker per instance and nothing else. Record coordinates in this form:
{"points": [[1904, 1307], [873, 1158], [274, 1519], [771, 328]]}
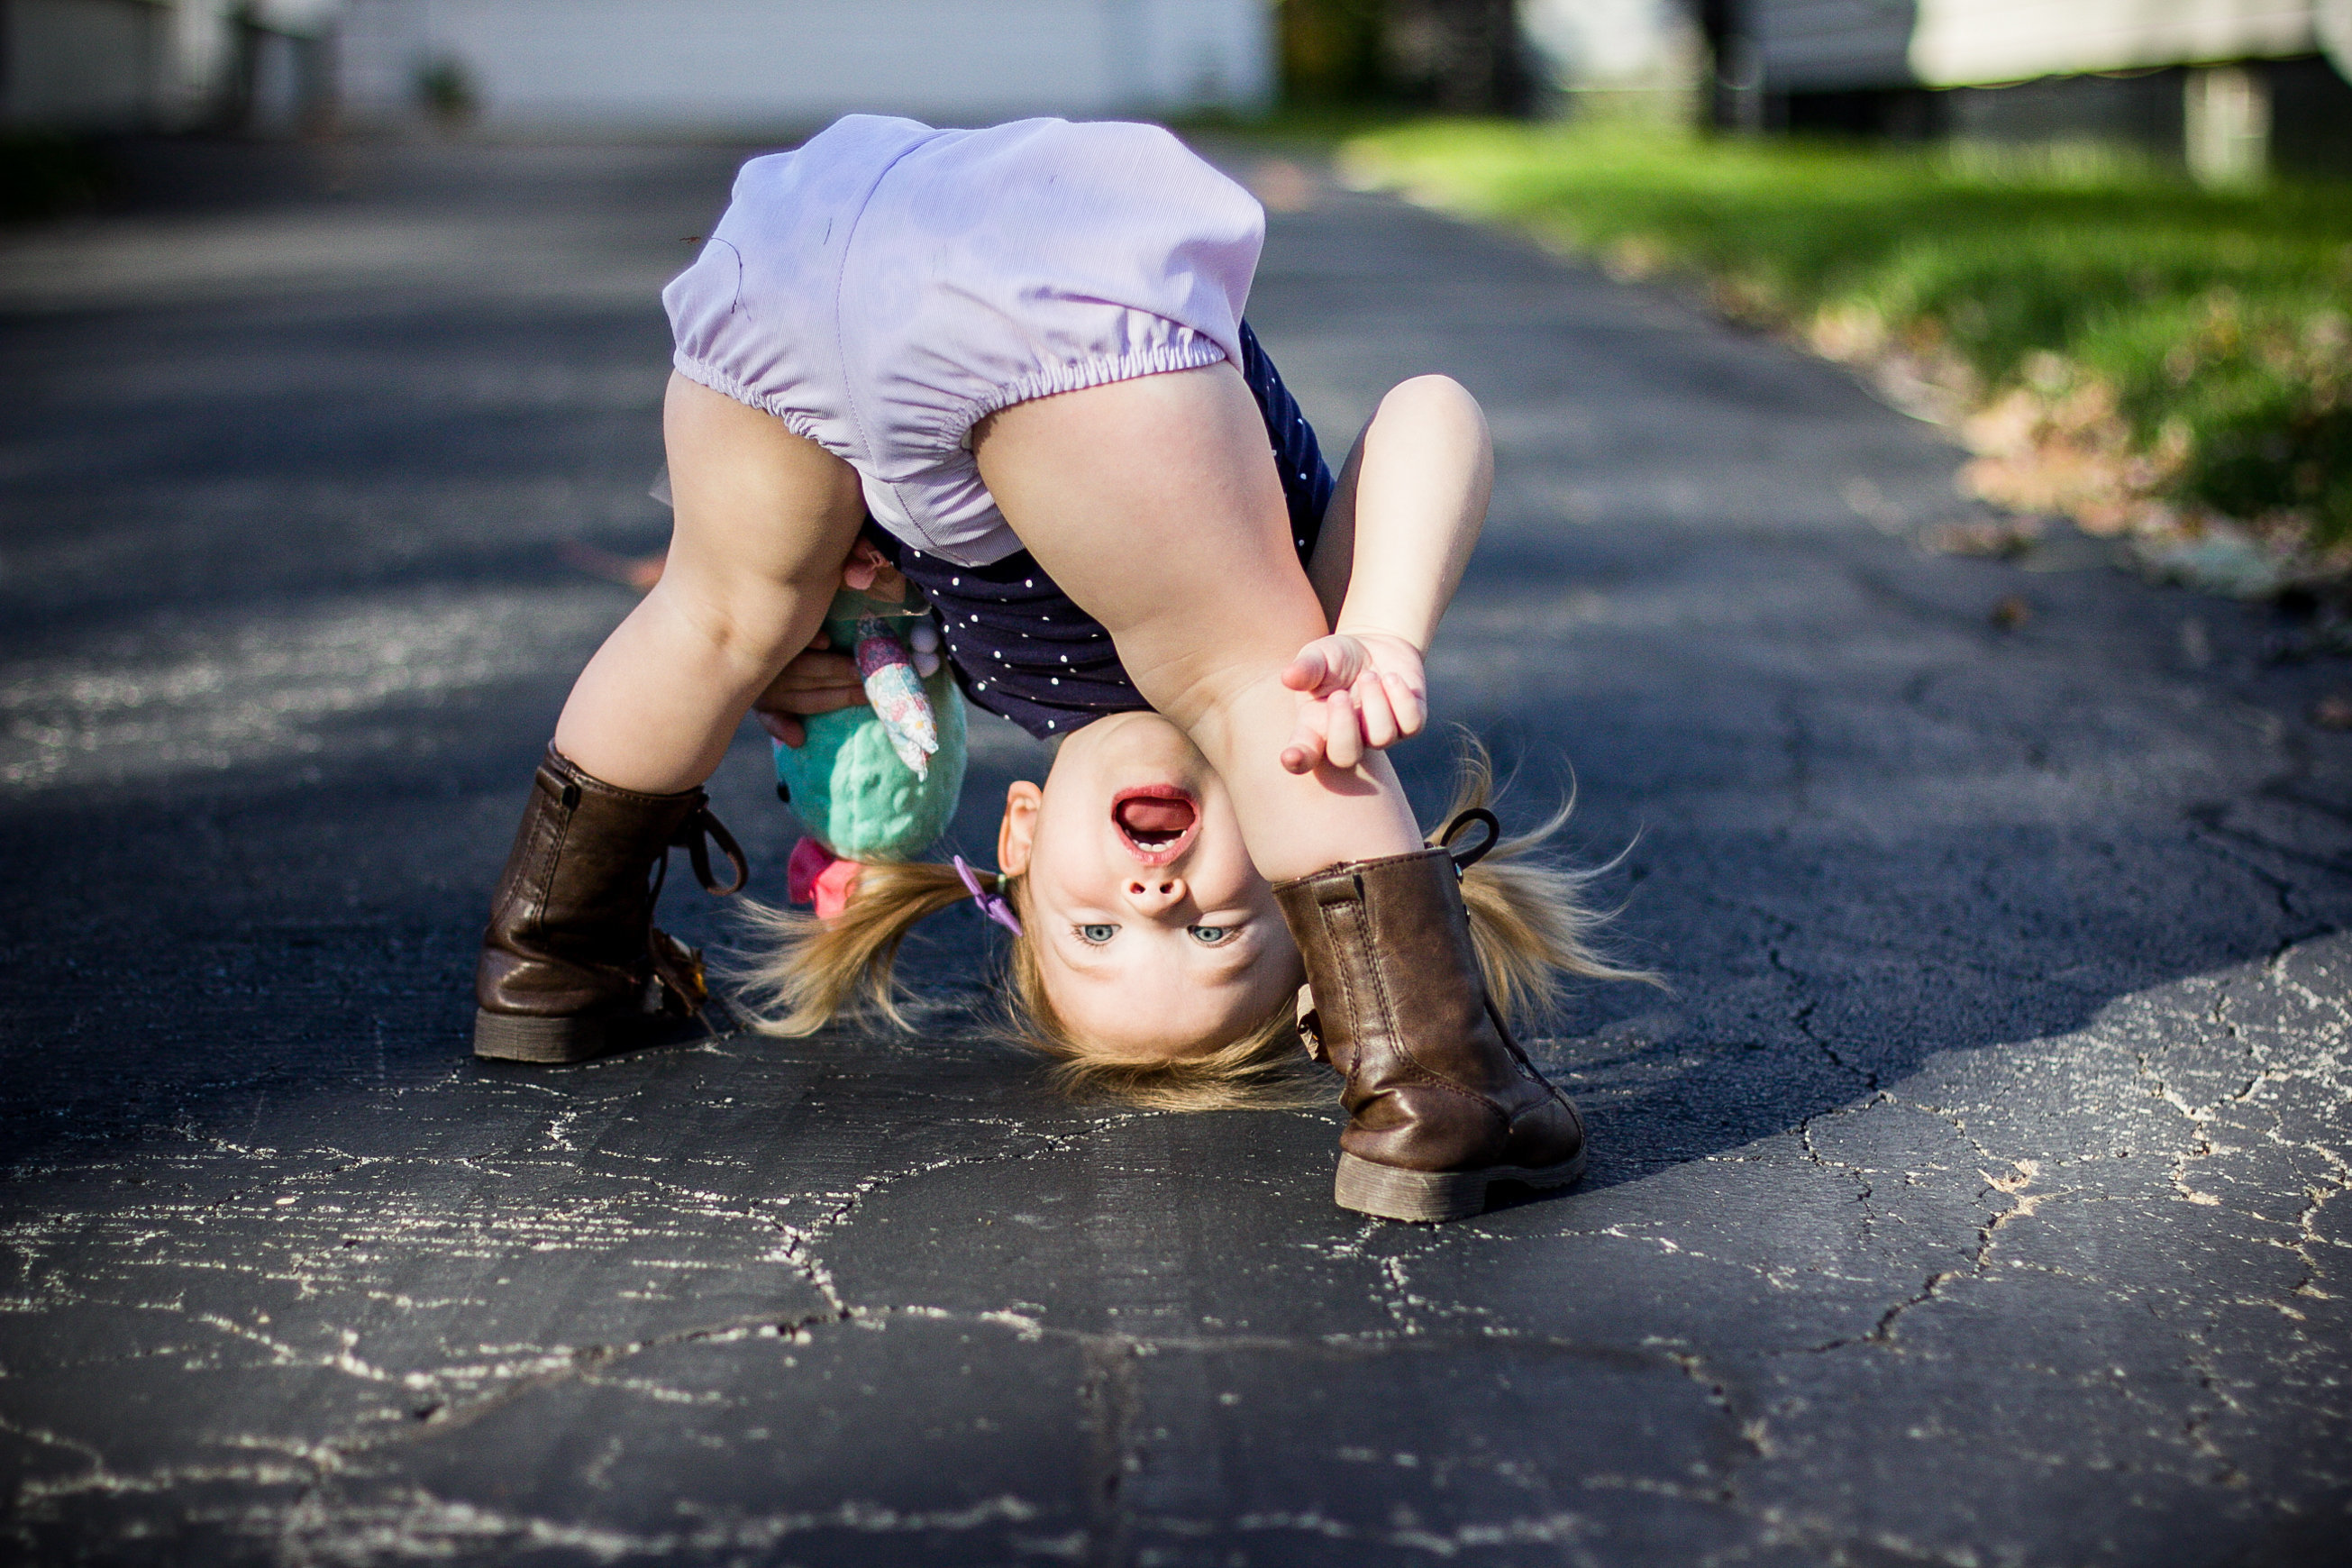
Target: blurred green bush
{"points": [[2118, 343]]}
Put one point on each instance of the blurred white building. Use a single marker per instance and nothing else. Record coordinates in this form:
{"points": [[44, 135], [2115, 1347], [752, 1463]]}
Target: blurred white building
{"points": [[1961, 43], [1625, 58], [670, 67], [621, 67], [2232, 88], [140, 64]]}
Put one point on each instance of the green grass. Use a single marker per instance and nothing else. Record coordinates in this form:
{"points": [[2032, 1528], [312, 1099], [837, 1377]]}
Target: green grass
{"points": [[2210, 328], [1319, 127]]}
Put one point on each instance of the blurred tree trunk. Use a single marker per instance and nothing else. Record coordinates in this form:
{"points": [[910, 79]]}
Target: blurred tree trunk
{"points": [[1718, 24], [1465, 57], [1331, 51]]}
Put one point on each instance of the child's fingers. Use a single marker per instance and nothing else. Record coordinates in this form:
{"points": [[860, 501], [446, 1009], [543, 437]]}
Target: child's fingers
{"points": [[783, 727], [807, 703], [1325, 664], [817, 679], [1343, 739], [1304, 750], [819, 668], [1405, 700], [810, 699], [1379, 720], [1307, 673], [815, 683]]}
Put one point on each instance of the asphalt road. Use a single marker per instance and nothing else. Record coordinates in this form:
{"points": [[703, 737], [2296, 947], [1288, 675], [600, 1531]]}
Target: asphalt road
{"points": [[1975, 1196]]}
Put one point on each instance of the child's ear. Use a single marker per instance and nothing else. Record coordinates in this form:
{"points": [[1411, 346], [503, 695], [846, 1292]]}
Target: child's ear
{"points": [[1017, 835]]}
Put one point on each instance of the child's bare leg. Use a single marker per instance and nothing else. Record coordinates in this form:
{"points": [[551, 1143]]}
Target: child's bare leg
{"points": [[764, 519], [1155, 504], [570, 963]]}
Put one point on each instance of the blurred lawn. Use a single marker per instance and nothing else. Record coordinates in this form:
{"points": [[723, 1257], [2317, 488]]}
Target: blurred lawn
{"points": [[2189, 344]]}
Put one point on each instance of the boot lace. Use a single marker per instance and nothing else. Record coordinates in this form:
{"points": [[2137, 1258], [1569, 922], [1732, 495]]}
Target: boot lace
{"points": [[677, 969], [695, 835], [1476, 816]]}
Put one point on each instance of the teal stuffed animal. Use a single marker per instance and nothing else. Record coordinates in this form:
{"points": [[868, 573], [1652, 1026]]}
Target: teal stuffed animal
{"points": [[872, 784], [880, 783]]}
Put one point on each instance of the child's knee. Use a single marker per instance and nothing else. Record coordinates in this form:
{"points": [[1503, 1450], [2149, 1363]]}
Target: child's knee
{"points": [[1437, 402]]}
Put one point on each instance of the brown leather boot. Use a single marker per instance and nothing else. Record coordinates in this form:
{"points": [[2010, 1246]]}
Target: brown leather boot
{"points": [[1441, 1100], [571, 966]]}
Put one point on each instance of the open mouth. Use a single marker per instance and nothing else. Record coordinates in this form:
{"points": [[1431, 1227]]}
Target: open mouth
{"points": [[1157, 821]]}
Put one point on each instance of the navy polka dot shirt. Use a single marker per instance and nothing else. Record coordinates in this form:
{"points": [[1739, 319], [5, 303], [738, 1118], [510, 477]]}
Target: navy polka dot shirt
{"points": [[1018, 644]]}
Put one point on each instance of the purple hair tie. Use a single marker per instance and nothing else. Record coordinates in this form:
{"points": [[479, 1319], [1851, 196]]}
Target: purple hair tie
{"points": [[993, 905]]}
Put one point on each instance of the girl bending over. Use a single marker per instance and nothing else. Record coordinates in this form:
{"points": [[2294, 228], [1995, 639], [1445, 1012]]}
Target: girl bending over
{"points": [[1019, 351]]}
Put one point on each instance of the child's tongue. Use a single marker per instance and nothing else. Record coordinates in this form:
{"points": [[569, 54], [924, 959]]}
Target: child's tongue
{"points": [[1147, 818]]}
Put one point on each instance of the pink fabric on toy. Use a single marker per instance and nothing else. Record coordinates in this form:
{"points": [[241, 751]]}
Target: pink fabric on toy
{"points": [[816, 874]]}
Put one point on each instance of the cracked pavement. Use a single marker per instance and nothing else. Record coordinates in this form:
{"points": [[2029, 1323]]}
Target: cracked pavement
{"points": [[1975, 1195]]}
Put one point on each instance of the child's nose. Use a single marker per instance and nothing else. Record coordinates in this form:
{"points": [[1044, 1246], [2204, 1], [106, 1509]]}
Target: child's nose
{"points": [[1155, 891]]}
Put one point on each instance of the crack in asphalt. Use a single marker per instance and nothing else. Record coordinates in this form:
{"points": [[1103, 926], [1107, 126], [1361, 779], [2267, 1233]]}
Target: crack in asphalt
{"points": [[2023, 1205], [1802, 1020]]}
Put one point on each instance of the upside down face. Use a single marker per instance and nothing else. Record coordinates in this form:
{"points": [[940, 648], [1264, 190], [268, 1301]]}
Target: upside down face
{"points": [[1155, 936]]}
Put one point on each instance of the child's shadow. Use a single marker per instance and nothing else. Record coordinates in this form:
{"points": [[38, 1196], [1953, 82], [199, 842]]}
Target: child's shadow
{"points": [[1809, 972]]}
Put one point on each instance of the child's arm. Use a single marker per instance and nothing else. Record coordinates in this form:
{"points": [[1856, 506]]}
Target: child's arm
{"points": [[1402, 521]]}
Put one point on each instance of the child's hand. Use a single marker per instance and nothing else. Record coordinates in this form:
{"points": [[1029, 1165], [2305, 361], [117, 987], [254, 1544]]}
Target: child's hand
{"points": [[1360, 691], [814, 682]]}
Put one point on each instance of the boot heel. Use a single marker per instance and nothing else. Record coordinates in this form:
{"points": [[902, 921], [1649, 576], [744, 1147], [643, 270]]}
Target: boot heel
{"points": [[512, 1038], [1430, 1198], [1424, 1197]]}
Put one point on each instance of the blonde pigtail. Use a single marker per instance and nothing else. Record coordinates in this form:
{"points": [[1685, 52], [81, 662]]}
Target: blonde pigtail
{"points": [[1529, 924], [810, 971]]}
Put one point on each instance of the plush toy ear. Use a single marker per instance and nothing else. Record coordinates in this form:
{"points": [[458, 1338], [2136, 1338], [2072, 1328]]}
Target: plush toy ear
{"points": [[1016, 836]]}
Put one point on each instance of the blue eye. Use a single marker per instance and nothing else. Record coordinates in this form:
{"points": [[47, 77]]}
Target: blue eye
{"points": [[1097, 934], [1209, 936]]}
